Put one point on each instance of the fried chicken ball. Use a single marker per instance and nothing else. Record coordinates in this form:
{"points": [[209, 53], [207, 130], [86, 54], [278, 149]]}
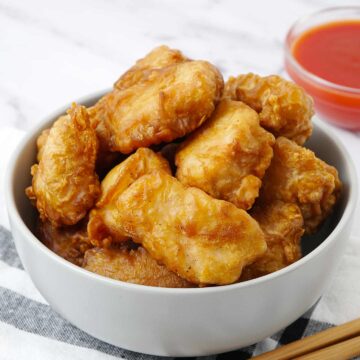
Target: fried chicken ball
{"points": [[296, 175], [70, 242], [134, 266], [283, 226], [227, 157], [142, 162], [158, 58], [283, 106], [203, 240], [65, 185], [167, 105]]}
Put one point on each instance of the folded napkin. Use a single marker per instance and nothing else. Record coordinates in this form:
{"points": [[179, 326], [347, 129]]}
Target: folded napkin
{"points": [[30, 329]]}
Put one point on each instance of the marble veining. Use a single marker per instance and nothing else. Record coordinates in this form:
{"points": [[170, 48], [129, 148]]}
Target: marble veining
{"points": [[53, 53]]}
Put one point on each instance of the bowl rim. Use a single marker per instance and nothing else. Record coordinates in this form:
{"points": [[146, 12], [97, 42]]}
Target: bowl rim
{"points": [[295, 63], [17, 220]]}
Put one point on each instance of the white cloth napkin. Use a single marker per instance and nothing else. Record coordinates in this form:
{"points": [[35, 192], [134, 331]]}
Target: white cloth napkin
{"points": [[29, 329]]}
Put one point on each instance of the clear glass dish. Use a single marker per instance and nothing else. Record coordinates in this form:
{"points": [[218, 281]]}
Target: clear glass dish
{"points": [[335, 103]]}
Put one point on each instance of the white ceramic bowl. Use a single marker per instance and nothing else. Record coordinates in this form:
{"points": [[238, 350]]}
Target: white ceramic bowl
{"points": [[181, 322]]}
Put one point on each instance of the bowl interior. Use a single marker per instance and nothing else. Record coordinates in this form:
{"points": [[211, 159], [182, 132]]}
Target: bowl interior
{"points": [[327, 149], [323, 144]]}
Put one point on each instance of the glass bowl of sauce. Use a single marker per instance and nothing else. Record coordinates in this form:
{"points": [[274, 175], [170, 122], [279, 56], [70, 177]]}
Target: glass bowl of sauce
{"points": [[322, 54]]}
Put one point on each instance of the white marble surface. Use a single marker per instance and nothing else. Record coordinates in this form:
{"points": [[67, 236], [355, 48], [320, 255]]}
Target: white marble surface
{"points": [[54, 52]]}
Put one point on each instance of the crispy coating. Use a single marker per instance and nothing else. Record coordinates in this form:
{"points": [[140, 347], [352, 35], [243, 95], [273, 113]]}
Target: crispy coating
{"points": [[227, 156], [167, 105], [142, 162], [69, 242], [105, 160], [283, 226], [284, 107], [296, 175], [203, 240], [158, 58], [40, 143], [64, 185], [134, 266]]}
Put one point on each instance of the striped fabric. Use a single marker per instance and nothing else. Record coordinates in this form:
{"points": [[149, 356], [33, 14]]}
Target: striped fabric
{"points": [[30, 329]]}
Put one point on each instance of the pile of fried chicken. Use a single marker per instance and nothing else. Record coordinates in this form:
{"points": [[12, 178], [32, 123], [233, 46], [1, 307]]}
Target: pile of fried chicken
{"points": [[175, 179]]}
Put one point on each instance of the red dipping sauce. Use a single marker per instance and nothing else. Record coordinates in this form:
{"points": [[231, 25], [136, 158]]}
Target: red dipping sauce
{"points": [[325, 60], [332, 52]]}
